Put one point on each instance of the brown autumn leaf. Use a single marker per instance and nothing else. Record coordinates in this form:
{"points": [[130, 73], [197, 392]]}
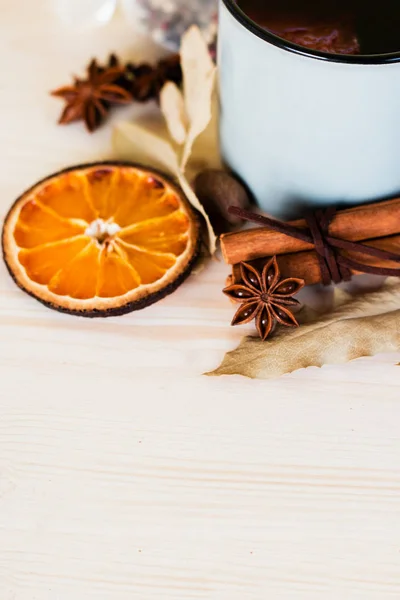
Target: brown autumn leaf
{"points": [[360, 326]]}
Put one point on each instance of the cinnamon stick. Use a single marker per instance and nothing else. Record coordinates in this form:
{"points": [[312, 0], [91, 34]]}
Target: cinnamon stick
{"points": [[358, 224], [305, 265]]}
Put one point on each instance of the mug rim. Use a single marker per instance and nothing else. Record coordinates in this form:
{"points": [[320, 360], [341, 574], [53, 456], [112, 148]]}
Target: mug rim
{"points": [[267, 36]]}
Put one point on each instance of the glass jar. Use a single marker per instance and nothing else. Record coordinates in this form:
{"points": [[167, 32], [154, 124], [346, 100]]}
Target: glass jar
{"points": [[167, 20]]}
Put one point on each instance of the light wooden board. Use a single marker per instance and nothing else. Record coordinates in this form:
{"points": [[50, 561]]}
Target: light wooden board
{"points": [[124, 473]]}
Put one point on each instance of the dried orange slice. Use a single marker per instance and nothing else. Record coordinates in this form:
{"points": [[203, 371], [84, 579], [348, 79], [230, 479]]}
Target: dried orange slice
{"points": [[101, 240]]}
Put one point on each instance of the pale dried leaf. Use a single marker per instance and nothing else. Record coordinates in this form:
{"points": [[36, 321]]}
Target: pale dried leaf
{"points": [[198, 84], [138, 144], [189, 119], [201, 120], [197, 67], [206, 152], [195, 202], [173, 108], [361, 326]]}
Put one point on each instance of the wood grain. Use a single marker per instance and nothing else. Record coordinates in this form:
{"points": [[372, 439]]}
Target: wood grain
{"points": [[124, 473]]}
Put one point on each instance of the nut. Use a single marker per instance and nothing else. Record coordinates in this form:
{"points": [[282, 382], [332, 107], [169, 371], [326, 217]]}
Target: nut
{"points": [[217, 191]]}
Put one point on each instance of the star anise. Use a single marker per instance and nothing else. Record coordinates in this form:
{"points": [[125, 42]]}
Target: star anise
{"points": [[90, 99], [145, 82], [264, 297]]}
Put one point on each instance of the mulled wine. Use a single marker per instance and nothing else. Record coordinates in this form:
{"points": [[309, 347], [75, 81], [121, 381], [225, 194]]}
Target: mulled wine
{"points": [[333, 26]]}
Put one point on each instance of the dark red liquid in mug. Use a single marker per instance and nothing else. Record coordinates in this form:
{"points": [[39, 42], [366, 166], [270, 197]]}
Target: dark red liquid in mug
{"points": [[333, 26]]}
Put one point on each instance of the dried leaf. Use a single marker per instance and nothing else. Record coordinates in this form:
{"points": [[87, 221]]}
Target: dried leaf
{"points": [[135, 143], [195, 202], [190, 118], [206, 153], [202, 119], [173, 109], [138, 144], [198, 84], [197, 66], [360, 326]]}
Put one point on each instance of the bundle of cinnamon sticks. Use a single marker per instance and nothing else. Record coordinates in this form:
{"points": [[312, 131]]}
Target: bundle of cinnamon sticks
{"points": [[376, 225]]}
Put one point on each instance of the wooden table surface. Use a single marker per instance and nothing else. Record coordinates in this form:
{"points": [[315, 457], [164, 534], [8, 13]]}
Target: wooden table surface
{"points": [[124, 472]]}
